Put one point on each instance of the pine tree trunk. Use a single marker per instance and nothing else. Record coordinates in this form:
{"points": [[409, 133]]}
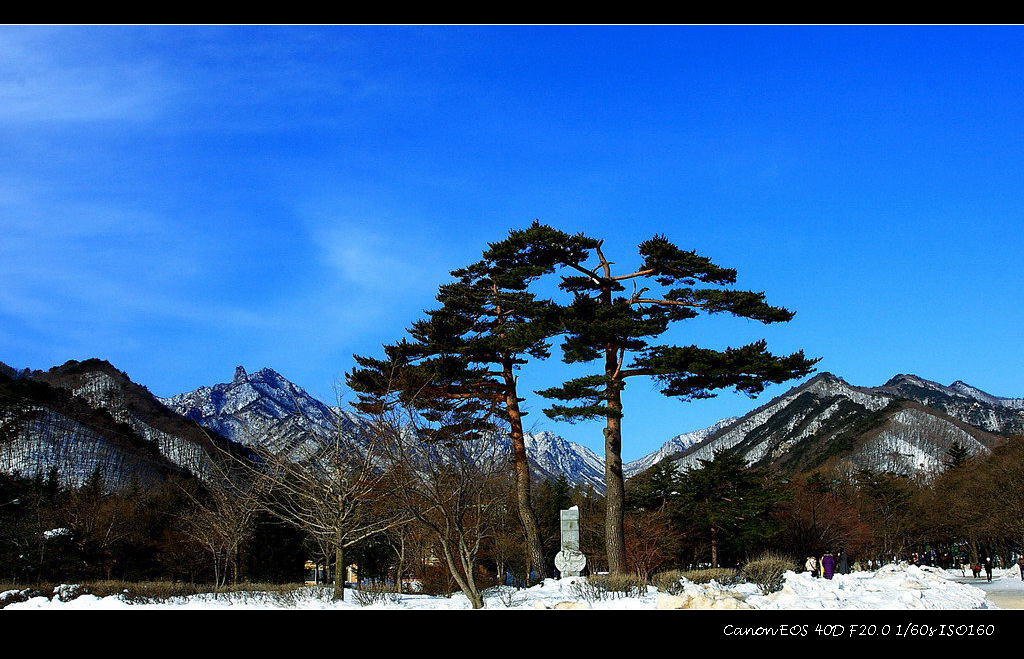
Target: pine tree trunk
{"points": [[534, 546], [714, 546], [615, 494]]}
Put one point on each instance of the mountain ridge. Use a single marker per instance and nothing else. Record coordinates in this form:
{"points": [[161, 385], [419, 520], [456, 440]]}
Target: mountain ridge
{"points": [[903, 425], [896, 427]]}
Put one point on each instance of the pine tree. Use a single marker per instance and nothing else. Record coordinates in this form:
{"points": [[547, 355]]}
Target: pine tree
{"points": [[956, 455], [654, 488], [469, 351], [605, 322], [723, 497]]}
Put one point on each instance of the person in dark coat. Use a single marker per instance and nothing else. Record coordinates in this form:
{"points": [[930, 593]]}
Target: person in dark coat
{"points": [[844, 562], [828, 565], [1020, 564], [988, 568]]}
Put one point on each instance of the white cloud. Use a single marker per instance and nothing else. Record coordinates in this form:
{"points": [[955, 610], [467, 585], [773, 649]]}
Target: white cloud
{"points": [[64, 262], [368, 258], [45, 78]]}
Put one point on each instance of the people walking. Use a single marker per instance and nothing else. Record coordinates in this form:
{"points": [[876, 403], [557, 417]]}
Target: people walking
{"points": [[828, 565], [1020, 567], [988, 568], [812, 565], [844, 562]]}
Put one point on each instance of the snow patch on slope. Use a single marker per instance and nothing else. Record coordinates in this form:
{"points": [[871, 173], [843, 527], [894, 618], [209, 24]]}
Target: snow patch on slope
{"points": [[677, 444]]}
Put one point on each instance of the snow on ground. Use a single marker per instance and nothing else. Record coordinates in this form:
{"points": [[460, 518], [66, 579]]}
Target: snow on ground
{"points": [[998, 574], [891, 587], [1006, 590]]}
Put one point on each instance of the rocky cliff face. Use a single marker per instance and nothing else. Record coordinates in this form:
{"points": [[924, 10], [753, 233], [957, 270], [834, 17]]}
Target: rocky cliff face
{"points": [[261, 408], [552, 455], [265, 407]]}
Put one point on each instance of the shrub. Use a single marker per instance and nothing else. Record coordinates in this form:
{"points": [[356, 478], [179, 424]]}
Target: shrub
{"points": [[374, 593], [154, 592], [143, 592], [508, 596], [768, 570], [669, 582], [723, 575], [608, 587], [14, 596]]}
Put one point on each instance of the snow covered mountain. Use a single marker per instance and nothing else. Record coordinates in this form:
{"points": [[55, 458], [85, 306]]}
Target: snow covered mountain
{"points": [[552, 455], [960, 400], [902, 426], [905, 425], [265, 407], [105, 387], [677, 444], [978, 394], [260, 408], [106, 420], [81, 417]]}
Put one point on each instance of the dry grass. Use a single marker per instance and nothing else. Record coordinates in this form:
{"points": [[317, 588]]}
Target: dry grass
{"points": [[723, 575], [145, 592]]}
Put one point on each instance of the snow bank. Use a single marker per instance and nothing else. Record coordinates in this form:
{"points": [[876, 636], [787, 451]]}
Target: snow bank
{"points": [[891, 587]]}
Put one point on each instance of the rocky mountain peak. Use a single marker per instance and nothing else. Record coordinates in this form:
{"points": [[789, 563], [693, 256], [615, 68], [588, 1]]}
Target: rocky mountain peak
{"points": [[911, 379]]}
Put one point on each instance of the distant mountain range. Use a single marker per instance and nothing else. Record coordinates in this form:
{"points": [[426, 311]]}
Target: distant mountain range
{"points": [[265, 406], [904, 426], [88, 414], [677, 444]]}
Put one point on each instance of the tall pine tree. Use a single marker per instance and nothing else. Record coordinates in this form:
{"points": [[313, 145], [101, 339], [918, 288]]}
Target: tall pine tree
{"points": [[608, 323], [469, 352]]}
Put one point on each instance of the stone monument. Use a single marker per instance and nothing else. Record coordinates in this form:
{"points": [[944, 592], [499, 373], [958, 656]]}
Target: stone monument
{"points": [[570, 561]]}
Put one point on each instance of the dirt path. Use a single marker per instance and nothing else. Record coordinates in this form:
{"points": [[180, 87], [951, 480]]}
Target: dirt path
{"points": [[1004, 593]]}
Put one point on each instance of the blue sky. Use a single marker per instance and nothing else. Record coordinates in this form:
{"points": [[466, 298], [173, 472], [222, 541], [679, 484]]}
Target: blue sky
{"points": [[182, 200]]}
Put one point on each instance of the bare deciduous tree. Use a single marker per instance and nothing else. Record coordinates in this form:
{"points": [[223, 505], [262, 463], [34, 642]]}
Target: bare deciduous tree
{"points": [[453, 487], [652, 541], [337, 492], [222, 517]]}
